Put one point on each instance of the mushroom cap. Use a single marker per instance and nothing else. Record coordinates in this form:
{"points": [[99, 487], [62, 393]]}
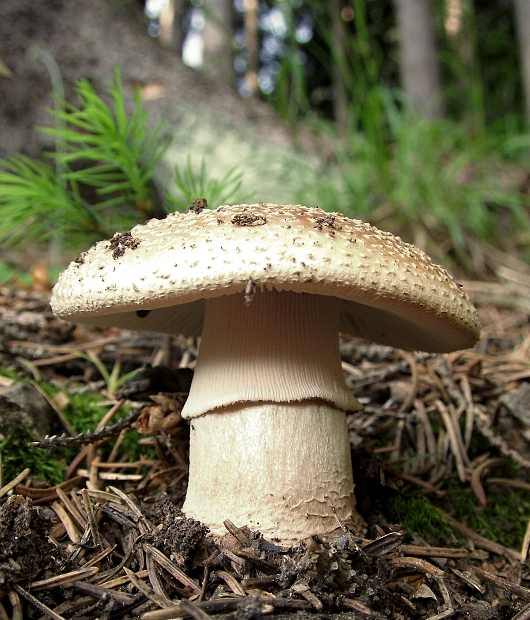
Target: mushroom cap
{"points": [[157, 276]]}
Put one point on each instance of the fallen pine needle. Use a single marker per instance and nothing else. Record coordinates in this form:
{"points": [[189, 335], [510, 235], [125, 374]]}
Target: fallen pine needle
{"points": [[526, 543], [36, 603], [11, 485], [480, 541], [505, 583], [64, 580], [421, 565]]}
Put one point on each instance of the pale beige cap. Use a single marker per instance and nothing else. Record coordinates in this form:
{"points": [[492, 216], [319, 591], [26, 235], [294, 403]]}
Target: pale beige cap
{"points": [[157, 276]]}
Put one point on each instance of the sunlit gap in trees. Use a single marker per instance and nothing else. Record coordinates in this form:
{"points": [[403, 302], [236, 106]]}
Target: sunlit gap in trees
{"points": [[453, 17], [273, 25]]}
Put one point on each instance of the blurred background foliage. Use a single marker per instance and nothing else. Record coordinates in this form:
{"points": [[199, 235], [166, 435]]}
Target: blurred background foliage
{"points": [[415, 113]]}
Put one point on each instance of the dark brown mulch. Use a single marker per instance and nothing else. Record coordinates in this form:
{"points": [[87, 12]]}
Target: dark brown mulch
{"points": [[25, 550], [118, 546], [245, 575]]}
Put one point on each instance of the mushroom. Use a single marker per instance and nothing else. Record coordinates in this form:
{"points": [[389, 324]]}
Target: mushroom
{"points": [[269, 287]]}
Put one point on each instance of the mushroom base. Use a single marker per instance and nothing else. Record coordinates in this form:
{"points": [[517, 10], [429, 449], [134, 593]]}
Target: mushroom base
{"points": [[281, 468]]}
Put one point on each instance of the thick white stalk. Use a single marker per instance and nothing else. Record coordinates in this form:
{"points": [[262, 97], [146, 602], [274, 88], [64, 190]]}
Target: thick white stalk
{"points": [[284, 469]]}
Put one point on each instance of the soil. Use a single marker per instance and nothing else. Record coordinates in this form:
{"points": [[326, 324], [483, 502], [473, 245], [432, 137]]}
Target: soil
{"points": [[180, 538], [198, 205], [248, 219], [136, 532], [329, 223], [25, 550], [121, 242]]}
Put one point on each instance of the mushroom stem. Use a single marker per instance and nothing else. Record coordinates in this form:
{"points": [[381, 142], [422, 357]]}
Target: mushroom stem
{"points": [[284, 469], [269, 443], [281, 347]]}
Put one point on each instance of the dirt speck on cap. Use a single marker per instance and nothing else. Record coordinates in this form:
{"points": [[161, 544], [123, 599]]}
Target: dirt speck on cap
{"points": [[121, 242], [198, 205], [25, 551], [328, 223], [79, 260], [248, 219]]}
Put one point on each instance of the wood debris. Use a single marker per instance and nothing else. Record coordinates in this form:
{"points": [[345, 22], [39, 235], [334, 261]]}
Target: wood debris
{"points": [[115, 545]]}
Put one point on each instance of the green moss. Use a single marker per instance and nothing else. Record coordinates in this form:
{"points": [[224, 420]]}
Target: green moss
{"points": [[419, 516], [480, 444], [19, 376], [85, 410], [17, 453], [132, 447], [11, 373], [504, 519]]}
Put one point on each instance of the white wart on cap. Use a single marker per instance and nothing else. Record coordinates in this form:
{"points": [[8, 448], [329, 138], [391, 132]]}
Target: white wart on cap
{"points": [[269, 287]]}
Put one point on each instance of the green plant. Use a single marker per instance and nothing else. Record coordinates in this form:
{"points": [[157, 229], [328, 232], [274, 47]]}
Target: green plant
{"points": [[419, 516], [85, 410], [120, 151], [11, 273], [113, 379], [34, 203], [196, 182], [17, 453], [504, 519], [435, 183], [105, 158], [438, 183], [9, 372], [134, 449], [101, 176]]}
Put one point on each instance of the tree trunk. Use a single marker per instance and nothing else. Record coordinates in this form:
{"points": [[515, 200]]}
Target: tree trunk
{"points": [[460, 27], [251, 40], [218, 61], [419, 57], [338, 49], [171, 25], [522, 18]]}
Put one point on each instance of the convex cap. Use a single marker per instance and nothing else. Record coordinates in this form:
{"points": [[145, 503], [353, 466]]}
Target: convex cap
{"points": [[157, 276]]}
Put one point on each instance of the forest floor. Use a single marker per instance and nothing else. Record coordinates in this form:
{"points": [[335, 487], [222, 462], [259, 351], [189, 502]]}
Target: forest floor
{"points": [[90, 521]]}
